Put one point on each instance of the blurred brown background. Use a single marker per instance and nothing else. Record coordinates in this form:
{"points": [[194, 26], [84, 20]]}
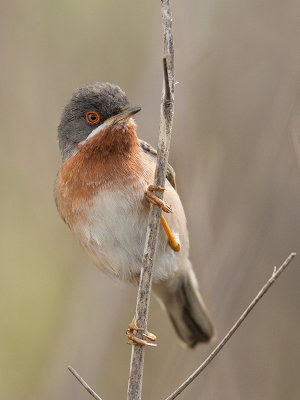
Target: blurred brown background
{"points": [[236, 150]]}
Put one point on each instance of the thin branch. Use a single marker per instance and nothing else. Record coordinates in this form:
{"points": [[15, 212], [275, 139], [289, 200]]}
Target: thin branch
{"points": [[84, 384], [213, 354], [144, 292]]}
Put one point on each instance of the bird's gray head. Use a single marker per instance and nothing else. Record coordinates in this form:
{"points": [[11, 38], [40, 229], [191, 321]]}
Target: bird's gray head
{"points": [[89, 107]]}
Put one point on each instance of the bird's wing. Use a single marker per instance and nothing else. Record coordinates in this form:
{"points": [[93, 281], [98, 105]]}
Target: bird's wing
{"points": [[147, 148]]}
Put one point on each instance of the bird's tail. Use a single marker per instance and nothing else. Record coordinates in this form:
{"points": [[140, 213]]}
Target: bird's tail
{"points": [[186, 309]]}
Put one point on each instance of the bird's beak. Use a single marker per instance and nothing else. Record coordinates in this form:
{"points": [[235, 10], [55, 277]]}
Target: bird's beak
{"points": [[126, 113]]}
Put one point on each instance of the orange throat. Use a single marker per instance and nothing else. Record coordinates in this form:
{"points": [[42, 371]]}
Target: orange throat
{"points": [[110, 160]]}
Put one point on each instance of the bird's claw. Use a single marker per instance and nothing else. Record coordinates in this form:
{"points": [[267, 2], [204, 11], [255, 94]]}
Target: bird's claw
{"points": [[150, 336], [152, 188], [132, 339], [152, 198]]}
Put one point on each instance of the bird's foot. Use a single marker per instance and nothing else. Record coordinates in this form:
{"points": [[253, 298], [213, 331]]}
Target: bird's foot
{"points": [[152, 198], [130, 333]]}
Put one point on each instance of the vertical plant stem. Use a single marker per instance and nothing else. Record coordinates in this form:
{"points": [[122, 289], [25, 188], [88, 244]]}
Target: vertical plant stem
{"points": [[144, 291]]}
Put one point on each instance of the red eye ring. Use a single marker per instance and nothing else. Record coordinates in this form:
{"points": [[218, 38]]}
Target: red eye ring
{"points": [[92, 117]]}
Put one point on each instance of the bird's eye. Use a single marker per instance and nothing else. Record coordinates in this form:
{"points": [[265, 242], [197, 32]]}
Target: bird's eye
{"points": [[92, 117]]}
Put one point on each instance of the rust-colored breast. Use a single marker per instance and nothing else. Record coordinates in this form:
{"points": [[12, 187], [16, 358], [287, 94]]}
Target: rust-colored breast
{"points": [[109, 160]]}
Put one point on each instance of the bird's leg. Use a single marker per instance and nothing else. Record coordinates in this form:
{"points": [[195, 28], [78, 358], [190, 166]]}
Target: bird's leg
{"points": [[152, 198], [172, 241], [133, 339]]}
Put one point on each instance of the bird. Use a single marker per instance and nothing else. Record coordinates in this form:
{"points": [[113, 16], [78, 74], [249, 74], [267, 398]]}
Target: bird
{"points": [[102, 192]]}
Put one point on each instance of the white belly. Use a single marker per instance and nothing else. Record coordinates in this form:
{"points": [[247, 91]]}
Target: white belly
{"points": [[114, 236]]}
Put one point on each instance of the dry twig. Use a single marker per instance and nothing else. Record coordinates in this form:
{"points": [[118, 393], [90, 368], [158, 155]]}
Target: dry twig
{"points": [[213, 354], [166, 119], [84, 384]]}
